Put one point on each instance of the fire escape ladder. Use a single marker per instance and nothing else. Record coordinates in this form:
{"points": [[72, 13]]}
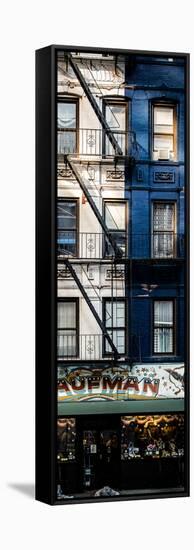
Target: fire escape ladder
{"points": [[92, 308], [79, 178], [94, 104]]}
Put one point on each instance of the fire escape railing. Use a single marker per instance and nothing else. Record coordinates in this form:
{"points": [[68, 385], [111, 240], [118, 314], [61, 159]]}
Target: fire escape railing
{"points": [[96, 246], [93, 142], [94, 347]]}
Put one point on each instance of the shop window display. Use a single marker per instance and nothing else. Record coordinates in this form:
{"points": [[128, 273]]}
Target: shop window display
{"points": [[144, 452]]}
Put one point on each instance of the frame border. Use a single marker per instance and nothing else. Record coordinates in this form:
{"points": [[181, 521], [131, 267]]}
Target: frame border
{"points": [[46, 294]]}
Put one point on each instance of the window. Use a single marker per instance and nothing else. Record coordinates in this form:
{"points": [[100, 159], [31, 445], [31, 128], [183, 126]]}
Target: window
{"points": [[66, 439], [164, 237], [67, 328], [115, 322], [164, 326], [164, 132], [115, 219], [116, 116], [67, 227], [67, 120]]}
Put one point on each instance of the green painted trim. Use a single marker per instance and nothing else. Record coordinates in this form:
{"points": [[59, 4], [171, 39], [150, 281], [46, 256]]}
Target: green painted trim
{"points": [[133, 406]]}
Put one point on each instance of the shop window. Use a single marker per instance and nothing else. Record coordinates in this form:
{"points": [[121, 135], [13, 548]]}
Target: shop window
{"points": [[164, 132], [66, 439], [115, 321], [67, 328], [152, 436], [164, 328], [67, 123], [67, 221]]}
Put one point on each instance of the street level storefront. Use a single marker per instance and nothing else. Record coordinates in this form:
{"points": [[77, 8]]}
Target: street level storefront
{"points": [[114, 454]]}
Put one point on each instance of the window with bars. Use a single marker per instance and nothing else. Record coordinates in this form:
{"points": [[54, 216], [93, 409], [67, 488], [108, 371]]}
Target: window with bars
{"points": [[67, 327], [115, 219], [163, 328], [67, 227], [164, 236], [114, 313], [67, 123], [164, 132]]}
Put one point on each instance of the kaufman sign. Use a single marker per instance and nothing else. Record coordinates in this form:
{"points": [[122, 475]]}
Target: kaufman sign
{"points": [[147, 381]]}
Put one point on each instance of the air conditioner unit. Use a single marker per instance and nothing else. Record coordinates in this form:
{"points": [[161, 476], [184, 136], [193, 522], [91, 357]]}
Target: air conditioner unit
{"points": [[155, 155], [163, 154]]}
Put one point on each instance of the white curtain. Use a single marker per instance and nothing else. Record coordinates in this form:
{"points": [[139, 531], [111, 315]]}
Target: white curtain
{"points": [[163, 230], [163, 217], [163, 326], [66, 315]]}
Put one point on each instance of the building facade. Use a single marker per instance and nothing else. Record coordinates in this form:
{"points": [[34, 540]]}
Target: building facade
{"points": [[120, 271]]}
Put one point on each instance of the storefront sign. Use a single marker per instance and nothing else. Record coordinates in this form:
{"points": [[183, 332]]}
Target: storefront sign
{"points": [[145, 381]]}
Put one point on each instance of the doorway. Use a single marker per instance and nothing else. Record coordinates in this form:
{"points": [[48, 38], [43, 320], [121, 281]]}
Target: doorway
{"points": [[100, 452]]}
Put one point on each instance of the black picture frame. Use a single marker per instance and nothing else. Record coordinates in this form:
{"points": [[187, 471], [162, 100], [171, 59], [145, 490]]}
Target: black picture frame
{"points": [[46, 275]]}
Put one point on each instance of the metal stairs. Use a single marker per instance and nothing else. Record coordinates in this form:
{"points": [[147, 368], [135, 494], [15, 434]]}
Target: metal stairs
{"points": [[94, 105], [80, 180], [69, 160], [91, 306]]}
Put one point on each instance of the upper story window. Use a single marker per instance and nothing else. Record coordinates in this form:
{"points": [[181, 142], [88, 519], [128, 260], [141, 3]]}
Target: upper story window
{"points": [[164, 235], [164, 146], [67, 225], [114, 315], [116, 114], [67, 327], [164, 327], [67, 124], [115, 219]]}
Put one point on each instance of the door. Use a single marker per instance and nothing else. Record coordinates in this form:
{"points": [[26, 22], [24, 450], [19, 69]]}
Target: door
{"points": [[100, 453]]}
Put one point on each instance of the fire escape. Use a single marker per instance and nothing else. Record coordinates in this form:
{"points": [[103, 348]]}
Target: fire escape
{"points": [[117, 255]]}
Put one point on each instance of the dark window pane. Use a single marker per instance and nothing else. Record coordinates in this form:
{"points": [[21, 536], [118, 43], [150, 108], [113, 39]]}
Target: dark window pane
{"points": [[67, 227], [67, 242], [66, 439], [66, 215], [119, 239]]}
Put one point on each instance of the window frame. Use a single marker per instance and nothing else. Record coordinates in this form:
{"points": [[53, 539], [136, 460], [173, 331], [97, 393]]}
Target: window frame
{"points": [[111, 101], [76, 301], [174, 232], [165, 104], [76, 200], [74, 100], [114, 329], [174, 325], [118, 201]]}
